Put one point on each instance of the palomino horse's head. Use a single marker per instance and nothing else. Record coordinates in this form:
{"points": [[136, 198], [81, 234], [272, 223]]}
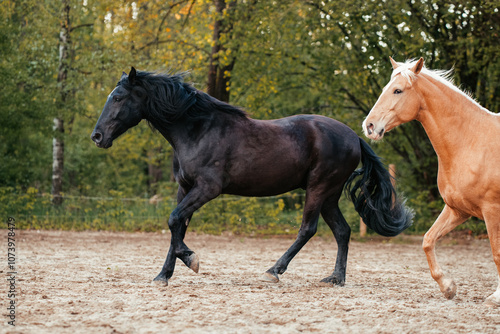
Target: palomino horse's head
{"points": [[123, 110], [399, 102]]}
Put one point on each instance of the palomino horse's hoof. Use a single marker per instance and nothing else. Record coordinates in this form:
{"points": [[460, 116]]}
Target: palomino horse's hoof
{"points": [[160, 280], [270, 278], [449, 288], [194, 263], [492, 302]]}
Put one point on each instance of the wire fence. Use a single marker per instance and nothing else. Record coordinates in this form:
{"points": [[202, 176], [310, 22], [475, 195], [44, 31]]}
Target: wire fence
{"points": [[246, 215], [240, 215]]}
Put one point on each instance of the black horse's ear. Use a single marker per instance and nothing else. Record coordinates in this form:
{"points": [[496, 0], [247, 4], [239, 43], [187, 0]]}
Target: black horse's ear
{"points": [[132, 75], [123, 75]]}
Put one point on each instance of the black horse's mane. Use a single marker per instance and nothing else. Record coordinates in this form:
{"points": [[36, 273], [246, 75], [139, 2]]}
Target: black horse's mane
{"points": [[171, 99]]}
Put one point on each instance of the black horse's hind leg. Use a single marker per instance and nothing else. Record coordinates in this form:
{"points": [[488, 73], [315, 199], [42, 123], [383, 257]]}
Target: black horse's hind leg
{"points": [[178, 221], [306, 232], [342, 232]]}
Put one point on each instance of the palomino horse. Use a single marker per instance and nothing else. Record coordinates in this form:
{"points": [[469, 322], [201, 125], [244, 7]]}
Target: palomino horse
{"points": [[466, 138], [220, 150]]}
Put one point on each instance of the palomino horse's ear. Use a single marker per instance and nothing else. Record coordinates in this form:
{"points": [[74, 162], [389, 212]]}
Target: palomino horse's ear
{"points": [[394, 64], [131, 75], [418, 66]]}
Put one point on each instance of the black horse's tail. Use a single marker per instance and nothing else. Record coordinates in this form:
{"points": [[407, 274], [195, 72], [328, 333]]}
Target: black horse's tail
{"points": [[375, 198]]}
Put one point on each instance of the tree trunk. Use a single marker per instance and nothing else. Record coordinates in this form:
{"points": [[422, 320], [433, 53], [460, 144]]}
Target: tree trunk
{"points": [[57, 160], [58, 140], [155, 171], [218, 80], [213, 67]]}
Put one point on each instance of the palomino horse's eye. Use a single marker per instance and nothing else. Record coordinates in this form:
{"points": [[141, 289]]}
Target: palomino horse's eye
{"points": [[398, 91]]}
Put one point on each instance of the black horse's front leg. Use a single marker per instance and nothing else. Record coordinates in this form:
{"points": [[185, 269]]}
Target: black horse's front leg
{"points": [[193, 199], [183, 252]]}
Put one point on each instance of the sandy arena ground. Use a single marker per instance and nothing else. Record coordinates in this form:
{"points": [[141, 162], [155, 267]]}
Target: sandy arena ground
{"points": [[100, 282]]}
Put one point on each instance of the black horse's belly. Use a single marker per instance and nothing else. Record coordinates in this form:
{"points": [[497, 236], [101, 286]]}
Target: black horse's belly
{"points": [[261, 189], [268, 174]]}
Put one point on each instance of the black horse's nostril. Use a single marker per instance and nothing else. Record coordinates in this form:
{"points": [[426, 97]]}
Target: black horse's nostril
{"points": [[369, 128], [97, 137]]}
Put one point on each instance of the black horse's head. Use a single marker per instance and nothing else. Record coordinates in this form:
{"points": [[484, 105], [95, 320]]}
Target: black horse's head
{"points": [[163, 99], [123, 110]]}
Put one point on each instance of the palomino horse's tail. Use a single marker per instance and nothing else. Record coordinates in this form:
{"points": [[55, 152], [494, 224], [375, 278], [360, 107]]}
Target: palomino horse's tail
{"points": [[375, 198]]}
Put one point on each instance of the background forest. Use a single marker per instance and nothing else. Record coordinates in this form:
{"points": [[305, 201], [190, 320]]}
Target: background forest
{"points": [[60, 59]]}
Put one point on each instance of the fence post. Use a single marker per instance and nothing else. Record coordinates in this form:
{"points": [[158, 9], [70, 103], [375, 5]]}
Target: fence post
{"points": [[392, 172], [362, 228]]}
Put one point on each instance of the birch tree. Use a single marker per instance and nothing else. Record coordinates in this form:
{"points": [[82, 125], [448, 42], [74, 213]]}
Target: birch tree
{"points": [[62, 77]]}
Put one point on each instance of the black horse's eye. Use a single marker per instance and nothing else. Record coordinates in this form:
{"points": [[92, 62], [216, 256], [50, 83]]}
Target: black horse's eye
{"points": [[117, 99], [398, 91]]}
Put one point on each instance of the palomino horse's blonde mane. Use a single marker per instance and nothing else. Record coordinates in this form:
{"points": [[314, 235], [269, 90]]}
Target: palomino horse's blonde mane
{"points": [[443, 76]]}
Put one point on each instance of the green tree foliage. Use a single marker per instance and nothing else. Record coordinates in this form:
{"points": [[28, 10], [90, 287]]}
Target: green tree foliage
{"points": [[273, 58], [25, 128]]}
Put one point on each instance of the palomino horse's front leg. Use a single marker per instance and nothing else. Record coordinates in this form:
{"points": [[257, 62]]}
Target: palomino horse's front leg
{"points": [[446, 222], [178, 221], [492, 220]]}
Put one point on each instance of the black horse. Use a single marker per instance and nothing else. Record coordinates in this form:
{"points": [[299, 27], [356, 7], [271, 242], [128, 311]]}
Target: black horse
{"points": [[220, 150]]}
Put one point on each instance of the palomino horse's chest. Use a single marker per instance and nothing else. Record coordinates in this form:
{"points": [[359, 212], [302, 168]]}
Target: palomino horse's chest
{"points": [[460, 194]]}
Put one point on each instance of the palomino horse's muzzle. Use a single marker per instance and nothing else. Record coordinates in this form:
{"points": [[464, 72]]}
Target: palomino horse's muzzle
{"points": [[369, 128], [372, 132]]}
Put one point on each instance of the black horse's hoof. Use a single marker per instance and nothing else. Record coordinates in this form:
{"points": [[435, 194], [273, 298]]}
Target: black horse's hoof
{"points": [[194, 263], [161, 280], [332, 281], [270, 277]]}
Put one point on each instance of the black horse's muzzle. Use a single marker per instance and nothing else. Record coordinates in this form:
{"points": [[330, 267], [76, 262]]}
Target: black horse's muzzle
{"points": [[98, 138]]}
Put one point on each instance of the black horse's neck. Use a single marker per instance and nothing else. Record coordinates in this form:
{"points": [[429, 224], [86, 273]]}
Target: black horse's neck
{"points": [[206, 113], [185, 131], [180, 112], [177, 109]]}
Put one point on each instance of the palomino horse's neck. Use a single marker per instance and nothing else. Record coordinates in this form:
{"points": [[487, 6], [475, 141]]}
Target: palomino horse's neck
{"points": [[450, 118]]}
